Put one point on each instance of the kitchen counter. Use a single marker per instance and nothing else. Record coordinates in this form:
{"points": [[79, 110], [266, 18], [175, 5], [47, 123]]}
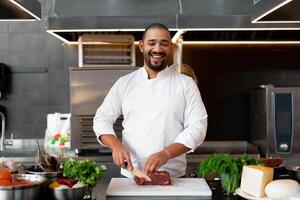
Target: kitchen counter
{"points": [[215, 185], [27, 148]]}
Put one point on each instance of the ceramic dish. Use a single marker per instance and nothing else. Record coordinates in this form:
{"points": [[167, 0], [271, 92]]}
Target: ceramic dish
{"points": [[248, 196]]}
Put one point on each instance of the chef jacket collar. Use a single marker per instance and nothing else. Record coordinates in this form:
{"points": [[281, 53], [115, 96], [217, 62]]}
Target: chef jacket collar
{"points": [[160, 74]]}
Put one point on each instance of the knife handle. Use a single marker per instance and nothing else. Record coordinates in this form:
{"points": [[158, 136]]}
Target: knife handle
{"points": [[125, 164]]}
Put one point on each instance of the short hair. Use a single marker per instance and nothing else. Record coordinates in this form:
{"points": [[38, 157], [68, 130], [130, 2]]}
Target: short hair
{"points": [[158, 26]]}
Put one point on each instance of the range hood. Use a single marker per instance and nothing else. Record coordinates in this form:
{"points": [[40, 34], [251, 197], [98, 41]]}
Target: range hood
{"points": [[20, 10], [204, 20]]}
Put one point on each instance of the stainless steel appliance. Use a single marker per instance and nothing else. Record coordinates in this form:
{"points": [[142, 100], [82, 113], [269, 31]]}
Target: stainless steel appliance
{"points": [[88, 88], [275, 120], [115, 50]]}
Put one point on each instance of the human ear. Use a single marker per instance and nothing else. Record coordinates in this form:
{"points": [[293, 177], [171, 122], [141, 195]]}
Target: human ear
{"points": [[141, 46]]}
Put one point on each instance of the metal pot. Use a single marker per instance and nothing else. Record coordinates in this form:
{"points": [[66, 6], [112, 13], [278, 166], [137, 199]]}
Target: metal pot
{"points": [[70, 193], [50, 176], [23, 192]]}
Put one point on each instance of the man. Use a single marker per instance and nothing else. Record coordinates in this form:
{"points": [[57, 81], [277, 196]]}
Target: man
{"points": [[164, 116]]}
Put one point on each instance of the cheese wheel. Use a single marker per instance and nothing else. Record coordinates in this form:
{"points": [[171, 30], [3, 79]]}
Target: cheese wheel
{"points": [[255, 178], [279, 189]]}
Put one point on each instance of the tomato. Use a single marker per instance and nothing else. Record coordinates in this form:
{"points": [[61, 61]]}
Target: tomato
{"points": [[5, 175], [5, 182], [57, 136]]}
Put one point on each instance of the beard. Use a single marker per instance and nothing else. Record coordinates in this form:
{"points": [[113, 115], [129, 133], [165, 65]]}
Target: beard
{"points": [[156, 66]]}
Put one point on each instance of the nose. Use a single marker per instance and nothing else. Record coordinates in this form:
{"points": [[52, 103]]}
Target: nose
{"points": [[158, 48]]}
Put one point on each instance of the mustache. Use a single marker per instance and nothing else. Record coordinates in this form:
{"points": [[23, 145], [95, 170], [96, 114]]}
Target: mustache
{"points": [[156, 53]]}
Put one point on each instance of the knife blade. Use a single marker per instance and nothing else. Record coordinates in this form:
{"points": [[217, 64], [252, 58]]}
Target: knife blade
{"points": [[137, 172]]}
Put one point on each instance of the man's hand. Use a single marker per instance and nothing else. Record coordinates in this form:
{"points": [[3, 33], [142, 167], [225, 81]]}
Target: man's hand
{"points": [[120, 154], [155, 161]]}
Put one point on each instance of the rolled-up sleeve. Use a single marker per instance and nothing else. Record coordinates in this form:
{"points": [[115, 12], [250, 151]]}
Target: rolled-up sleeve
{"points": [[195, 119], [108, 112]]}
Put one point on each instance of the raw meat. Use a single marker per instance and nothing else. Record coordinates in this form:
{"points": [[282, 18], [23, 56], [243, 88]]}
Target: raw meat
{"points": [[157, 178]]}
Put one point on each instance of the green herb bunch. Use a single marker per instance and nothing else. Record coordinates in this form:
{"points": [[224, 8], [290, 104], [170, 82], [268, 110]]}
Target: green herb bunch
{"points": [[229, 169], [85, 171]]}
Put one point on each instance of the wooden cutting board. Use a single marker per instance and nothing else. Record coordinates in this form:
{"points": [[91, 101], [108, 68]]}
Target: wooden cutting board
{"points": [[180, 187]]}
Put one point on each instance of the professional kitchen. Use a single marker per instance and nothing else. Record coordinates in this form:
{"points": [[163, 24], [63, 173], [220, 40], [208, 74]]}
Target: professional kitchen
{"points": [[161, 99]]}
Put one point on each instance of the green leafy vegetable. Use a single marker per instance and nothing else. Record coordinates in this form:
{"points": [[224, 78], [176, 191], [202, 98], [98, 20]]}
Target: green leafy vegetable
{"points": [[229, 169], [84, 171]]}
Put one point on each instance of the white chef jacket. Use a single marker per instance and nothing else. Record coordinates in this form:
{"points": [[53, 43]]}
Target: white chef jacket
{"points": [[157, 112]]}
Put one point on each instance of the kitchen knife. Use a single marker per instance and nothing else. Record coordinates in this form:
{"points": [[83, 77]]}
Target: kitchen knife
{"points": [[137, 172]]}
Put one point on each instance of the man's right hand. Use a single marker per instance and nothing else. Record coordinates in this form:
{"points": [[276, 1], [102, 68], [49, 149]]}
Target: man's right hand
{"points": [[120, 154]]}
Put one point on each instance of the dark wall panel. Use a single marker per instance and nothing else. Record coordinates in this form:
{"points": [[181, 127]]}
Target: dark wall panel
{"points": [[226, 73]]}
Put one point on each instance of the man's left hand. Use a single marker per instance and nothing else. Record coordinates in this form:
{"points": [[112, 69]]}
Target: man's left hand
{"points": [[155, 161]]}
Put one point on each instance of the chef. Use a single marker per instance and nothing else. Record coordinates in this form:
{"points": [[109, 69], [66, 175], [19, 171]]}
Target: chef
{"points": [[164, 116]]}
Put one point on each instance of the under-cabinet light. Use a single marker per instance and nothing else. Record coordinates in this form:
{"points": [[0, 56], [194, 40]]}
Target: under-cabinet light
{"points": [[53, 32], [16, 20], [255, 20], [177, 35], [26, 10], [241, 42], [277, 22]]}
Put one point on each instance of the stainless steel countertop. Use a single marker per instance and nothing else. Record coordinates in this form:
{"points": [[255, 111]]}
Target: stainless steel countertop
{"points": [[27, 148]]}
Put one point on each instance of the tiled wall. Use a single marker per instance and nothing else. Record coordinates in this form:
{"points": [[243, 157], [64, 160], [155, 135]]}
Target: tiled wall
{"points": [[28, 49]]}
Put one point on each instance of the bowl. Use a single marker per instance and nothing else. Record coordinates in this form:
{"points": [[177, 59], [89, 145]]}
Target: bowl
{"points": [[23, 192], [50, 176], [69, 193], [272, 161]]}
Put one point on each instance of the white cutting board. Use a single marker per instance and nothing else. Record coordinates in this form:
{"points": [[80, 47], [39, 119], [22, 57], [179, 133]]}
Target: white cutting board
{"points": [[180, 187]]}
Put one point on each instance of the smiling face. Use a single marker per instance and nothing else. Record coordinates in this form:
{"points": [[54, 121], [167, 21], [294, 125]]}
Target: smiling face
{"points": [[156, 47]]}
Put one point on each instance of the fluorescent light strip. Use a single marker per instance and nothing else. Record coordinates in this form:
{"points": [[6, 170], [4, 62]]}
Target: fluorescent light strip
{"points": [[277, 22], [99, 30], [242, 29], [17, 20], [241, 42], [52, 32], [61, 38], [186, 29], [269, 11], [25, 9], [177, 35]]}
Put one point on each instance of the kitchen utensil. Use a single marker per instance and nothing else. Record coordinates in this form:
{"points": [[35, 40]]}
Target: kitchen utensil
{"points": [[23, 192], [294, 172], [180, 187], [69, 193], [50, 176], [137, 172]]}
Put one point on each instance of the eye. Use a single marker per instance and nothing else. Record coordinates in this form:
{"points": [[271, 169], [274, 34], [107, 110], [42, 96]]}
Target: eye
{"points": [[151, 43], [165, 44]]}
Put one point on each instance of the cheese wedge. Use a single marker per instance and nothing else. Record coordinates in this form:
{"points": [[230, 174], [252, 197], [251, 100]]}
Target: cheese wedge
{"points": [[255, 178]]}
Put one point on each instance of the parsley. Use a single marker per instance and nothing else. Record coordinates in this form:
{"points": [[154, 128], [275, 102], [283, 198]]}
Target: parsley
{"points": [[229, 169], [85, 171]]}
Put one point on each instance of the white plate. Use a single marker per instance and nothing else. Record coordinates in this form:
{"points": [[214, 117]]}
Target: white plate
{"points": [[248, 196]]}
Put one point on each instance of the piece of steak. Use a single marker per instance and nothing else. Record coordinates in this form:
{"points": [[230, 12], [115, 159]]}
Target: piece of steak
{"points": [[157, 178]]}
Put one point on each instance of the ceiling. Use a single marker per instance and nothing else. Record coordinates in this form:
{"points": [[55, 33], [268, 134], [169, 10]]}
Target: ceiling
{"points": [[205, 20]]}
